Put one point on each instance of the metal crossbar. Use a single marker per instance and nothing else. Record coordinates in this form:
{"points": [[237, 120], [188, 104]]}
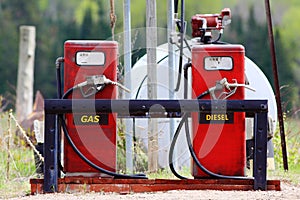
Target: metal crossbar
{"points": [[258, 109]]}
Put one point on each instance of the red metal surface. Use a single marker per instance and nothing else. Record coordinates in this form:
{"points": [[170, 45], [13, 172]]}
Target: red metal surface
{"points": [[197, 23], [219, 144], [125, 186], [213, 21], [94, 136]]}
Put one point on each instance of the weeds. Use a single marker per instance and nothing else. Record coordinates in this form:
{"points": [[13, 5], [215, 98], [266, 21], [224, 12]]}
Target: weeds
{"points": [[16, 180], [16, 161], [292, 133]]}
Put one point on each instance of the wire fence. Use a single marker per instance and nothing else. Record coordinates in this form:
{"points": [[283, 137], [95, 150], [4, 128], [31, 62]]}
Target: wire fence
{"points": [[16, 151]]}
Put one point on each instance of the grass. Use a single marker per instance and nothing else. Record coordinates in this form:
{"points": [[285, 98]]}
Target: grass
{"points": [[16, 161], [167, 174], [292, 176], [16, 172], [292, 138]]}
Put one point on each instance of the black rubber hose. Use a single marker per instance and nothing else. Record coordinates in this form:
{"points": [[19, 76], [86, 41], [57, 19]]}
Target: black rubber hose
{"points": [[175, 6], [115, 175], [182, 28], [175, 137], [190, 145], [63, 124], [172, 146], [185, 74], [199, 165], [182, 121]]}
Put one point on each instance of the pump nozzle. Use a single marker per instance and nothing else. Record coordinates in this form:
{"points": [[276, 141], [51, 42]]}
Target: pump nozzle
{"points": [[96, 83], [230, 87], [235, 84]]}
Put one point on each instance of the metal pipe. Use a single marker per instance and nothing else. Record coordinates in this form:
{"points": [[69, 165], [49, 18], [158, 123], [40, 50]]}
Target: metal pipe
{"points": [[58, 63], [127, 77], [182, 32], [171, 58], [276, 83]]}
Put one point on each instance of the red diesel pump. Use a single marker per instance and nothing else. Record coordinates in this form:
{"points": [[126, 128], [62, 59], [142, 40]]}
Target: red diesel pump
{"points": [[219, 137], [218, 69], [87, 66]]}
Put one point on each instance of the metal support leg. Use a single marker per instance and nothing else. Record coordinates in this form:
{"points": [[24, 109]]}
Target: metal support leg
{"points": [[260, 151], [51, 153]]}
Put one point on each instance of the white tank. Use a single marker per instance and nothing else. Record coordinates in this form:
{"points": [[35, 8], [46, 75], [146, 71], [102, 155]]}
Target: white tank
{"points": [[255, 77]]}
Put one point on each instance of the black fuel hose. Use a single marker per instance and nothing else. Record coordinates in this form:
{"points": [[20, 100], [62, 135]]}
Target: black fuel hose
{"points": [[172, 146], [200, 166], [175, 6], [83, 157], [61, 122], [182, 30], [179, 127], [184, 121]]}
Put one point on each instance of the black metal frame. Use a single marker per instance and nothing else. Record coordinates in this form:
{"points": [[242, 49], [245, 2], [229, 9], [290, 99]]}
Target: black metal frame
{"points": [[152, 108]]}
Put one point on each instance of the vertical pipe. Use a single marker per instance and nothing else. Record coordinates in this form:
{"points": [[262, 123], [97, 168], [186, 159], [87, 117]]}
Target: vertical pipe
{"points": [[182, 32], [276, 83], [127, 77], [151, 32], [171, 59]]}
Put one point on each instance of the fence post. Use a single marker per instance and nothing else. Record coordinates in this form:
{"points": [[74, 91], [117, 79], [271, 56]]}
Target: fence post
{"points": [[25, 72]]}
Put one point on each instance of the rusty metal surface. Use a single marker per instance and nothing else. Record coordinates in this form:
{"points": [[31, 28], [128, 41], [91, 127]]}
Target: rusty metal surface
{"points": [[125, 186]]}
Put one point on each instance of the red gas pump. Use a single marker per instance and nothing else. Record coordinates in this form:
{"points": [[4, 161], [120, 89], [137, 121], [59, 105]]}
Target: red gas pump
{"points": [[89, 66]]}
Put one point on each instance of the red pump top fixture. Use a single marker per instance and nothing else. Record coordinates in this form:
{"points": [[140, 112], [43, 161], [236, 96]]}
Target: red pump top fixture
{"points": [[203, 22]]}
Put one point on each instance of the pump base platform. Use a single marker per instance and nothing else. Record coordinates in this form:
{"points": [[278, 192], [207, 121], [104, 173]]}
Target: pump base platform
{"points": [[125, 186]]}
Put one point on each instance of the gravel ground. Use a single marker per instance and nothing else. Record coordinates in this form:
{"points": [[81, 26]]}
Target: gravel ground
{"points": [[288, 191]]}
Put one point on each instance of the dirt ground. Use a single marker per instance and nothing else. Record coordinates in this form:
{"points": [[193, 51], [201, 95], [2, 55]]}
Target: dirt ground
{"points": [[288, 192]]}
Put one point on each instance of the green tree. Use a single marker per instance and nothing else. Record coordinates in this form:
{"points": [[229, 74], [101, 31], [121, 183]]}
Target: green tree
{"points": [[59, 20], [87, 25], [287, 79], [13, 13], [254, 36], [102, 26]]}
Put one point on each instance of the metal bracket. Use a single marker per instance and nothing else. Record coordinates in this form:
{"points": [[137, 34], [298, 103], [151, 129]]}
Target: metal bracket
{"points": [[51, 153]]}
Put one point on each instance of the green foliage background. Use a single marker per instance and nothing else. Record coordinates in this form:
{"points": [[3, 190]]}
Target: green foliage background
{"points": [[59, 20]]}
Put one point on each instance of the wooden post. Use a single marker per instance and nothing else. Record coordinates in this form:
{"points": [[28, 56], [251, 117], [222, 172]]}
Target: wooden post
{"points": [[25, 72], [151, 33]]}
